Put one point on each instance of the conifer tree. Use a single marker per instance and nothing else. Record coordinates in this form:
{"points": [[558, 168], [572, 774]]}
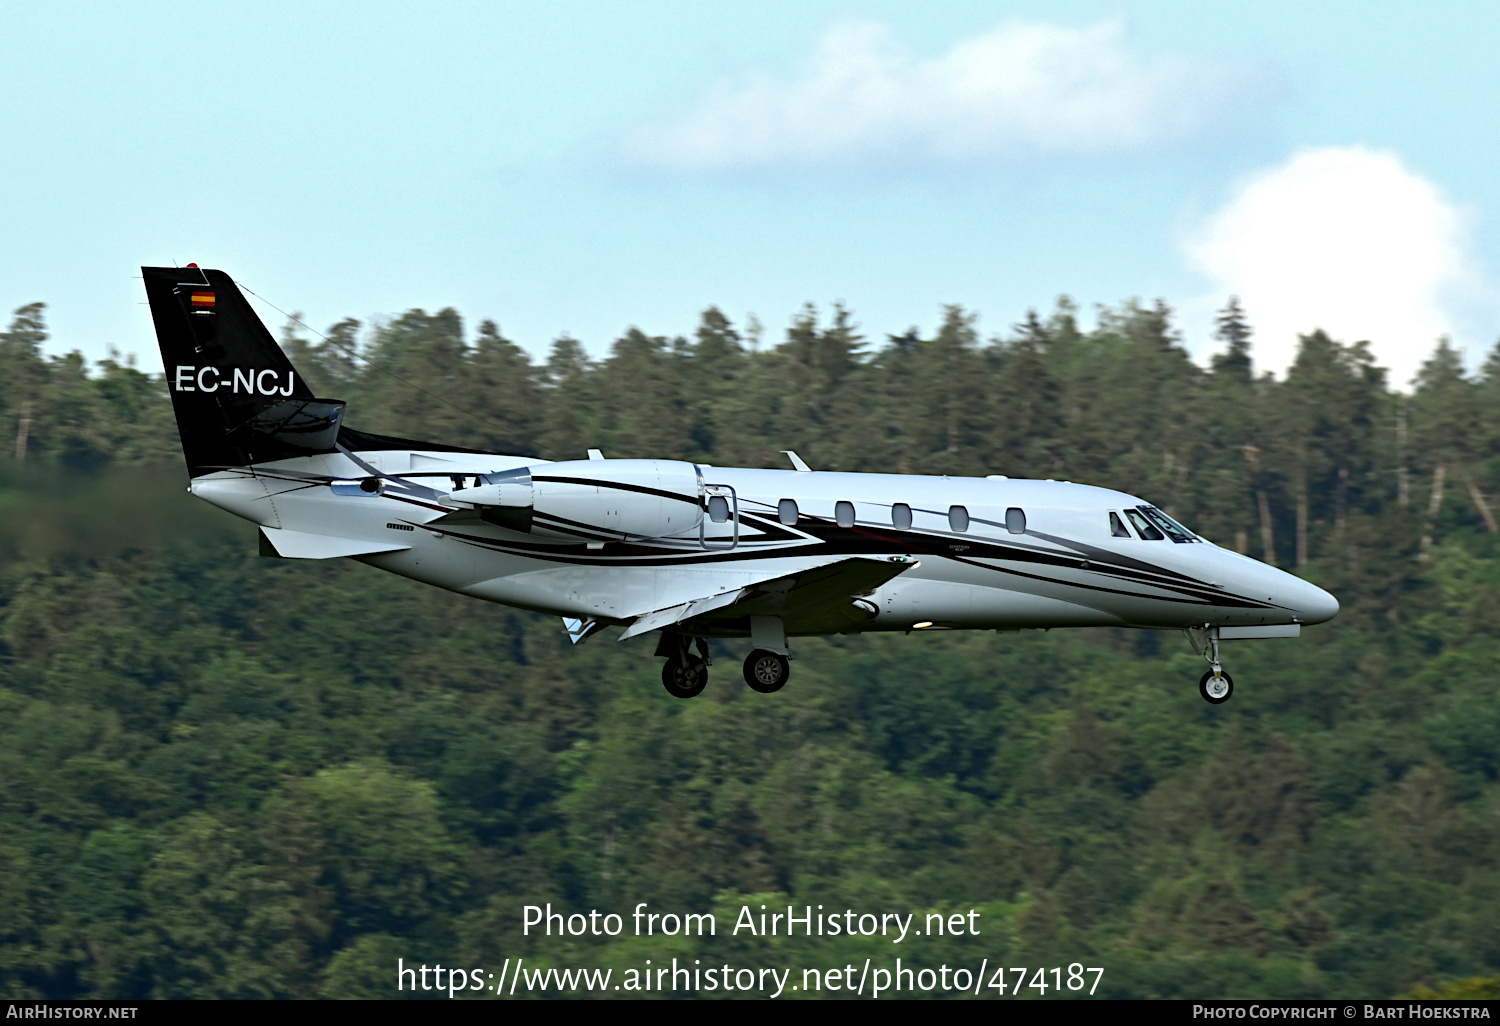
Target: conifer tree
{"points": [[711, 387], [1026, 438], [1445, 430], [572, 422], [646, 398], [821, 412], [501, 383], [1234, 331], [951, 404]]}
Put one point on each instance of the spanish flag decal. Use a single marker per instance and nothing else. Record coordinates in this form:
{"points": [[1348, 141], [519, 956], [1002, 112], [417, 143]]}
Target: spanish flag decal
{"points": [[203, 299]]}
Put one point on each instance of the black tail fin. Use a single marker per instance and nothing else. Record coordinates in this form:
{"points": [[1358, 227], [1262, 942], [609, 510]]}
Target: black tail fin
{"points": [[238, 399]]}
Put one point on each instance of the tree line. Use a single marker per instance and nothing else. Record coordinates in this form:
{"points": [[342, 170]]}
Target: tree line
{"points": [[1287, 469]]}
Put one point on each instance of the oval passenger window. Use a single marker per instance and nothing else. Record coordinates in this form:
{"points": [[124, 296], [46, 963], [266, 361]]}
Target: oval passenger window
{"points": [[843, 514], [718, 508], [1015, 520], [901, 516], [786, 512], [958, 518]]}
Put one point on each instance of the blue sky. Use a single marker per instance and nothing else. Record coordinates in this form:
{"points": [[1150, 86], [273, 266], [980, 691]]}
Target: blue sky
{"points": [[582, 168]]}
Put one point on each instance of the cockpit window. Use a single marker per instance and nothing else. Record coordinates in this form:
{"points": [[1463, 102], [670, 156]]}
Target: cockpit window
{"points": [[1143, 526], [1171, 528], [1117, 526]]}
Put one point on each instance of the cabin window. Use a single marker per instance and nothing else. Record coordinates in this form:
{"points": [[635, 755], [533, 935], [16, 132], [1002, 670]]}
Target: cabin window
{"points": [[1169, 527], [843, 514], [1015, 520], [901, 516], [958, 518], [1117, 526], [786, 512], [1143, 526], [718, 508]]}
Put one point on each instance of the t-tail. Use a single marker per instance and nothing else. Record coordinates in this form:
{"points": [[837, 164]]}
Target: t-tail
{"points": [[238, 399]]}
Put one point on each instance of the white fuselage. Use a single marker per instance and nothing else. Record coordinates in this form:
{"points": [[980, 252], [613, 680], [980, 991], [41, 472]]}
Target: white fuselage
{"points": [[1064, 569]]}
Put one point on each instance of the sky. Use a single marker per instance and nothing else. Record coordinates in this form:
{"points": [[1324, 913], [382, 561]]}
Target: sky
{"points": [[583, 168]]}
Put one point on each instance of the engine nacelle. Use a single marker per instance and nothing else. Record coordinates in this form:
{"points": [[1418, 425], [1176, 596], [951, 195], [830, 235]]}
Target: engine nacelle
{"points": [[594, 500]]}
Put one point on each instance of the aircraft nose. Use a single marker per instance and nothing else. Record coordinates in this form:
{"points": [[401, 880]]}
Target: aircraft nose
{"points": [[1304, 601], [1314, 605]]}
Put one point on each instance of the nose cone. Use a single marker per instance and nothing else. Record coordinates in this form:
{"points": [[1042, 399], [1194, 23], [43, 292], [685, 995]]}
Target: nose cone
{"points": [[1302, 602], [1313, 604]]}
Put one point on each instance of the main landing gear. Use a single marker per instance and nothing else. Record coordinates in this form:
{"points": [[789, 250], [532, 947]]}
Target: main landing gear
{"points": [[766, 671], [685, 674], [1215, 686]]}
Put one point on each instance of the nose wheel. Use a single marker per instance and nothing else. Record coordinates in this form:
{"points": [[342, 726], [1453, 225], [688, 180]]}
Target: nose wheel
{"points": [[1215, 686]]}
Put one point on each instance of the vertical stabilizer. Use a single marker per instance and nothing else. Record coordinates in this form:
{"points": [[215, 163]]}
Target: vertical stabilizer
{"points": [[238, 399]]}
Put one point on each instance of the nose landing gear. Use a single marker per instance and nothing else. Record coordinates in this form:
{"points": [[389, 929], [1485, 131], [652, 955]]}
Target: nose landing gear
{"points": [[1215, 686]]}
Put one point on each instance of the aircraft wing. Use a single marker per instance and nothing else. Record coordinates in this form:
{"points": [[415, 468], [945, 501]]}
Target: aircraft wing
{"points": [[822, 595]]}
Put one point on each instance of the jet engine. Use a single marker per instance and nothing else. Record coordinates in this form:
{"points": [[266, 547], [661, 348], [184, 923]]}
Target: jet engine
{"points": [[594, 500]]}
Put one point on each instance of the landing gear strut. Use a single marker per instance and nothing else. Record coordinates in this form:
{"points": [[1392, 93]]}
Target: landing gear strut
{"points": [[685, 674], [1215, 686]]}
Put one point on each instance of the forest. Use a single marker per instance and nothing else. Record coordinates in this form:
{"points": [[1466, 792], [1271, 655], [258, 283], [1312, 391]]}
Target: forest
{"points": [[223, 775]]}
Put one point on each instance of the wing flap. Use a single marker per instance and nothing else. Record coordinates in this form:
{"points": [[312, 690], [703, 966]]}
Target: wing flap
{"points": [[794, 596], [671, 615], [830, 584]]}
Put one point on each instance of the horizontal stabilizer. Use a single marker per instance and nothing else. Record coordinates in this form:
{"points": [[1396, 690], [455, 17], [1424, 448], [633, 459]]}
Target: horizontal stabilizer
{"points": [[302, 545]]}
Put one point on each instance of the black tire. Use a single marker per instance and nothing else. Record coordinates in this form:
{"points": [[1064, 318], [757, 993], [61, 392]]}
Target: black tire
{"points": [[766, 672], [684, 679], [1211, 695]]}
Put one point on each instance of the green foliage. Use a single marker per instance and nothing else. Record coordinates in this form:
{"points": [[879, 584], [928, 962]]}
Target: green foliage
{"points": [[1477, 988], [222, 776]]}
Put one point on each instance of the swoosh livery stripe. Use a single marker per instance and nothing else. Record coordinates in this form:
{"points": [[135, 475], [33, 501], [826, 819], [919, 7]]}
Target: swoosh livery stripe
{"points": [[856, 541]]}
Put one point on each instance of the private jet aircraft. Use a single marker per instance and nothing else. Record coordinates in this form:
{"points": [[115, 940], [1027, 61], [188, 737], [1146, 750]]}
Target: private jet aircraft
{"points": [[688, 550]]}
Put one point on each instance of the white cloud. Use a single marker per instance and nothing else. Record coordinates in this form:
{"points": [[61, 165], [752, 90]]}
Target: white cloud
{"points": [[1024, 85], [1345, 239]]}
